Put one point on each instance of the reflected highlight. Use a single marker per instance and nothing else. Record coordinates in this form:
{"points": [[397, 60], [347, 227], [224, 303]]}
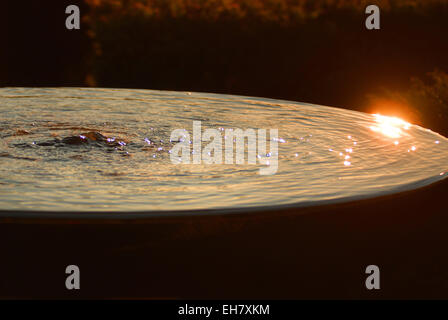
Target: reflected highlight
{"points": [[391, 127]]}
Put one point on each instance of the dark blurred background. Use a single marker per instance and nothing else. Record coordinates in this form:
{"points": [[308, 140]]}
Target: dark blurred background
{"points": [[315, 51]]}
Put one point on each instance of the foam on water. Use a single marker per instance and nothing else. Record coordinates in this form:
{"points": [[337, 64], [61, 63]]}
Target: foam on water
{"points": [[325, 154]]}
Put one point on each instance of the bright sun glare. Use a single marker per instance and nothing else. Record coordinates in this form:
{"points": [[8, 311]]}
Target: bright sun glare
{"points": [[391, 127]]}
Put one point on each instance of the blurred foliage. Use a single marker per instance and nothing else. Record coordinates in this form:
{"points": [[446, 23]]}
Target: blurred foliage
{"points": [[280, 11], [431, 97], [306, 50]]}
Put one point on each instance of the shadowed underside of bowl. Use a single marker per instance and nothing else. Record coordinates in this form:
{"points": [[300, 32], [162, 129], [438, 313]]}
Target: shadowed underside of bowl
{"points": [[314, 252]]}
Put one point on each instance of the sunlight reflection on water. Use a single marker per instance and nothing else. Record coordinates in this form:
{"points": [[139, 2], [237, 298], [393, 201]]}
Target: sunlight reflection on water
{"points": [[325, 154]]}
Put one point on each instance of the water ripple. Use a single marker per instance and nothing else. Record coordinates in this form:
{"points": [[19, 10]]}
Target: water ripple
{"points": [[123, 163]]}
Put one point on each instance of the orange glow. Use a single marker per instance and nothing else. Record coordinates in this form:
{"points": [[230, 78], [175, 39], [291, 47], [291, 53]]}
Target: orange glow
{"points": [[395, 107]]}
